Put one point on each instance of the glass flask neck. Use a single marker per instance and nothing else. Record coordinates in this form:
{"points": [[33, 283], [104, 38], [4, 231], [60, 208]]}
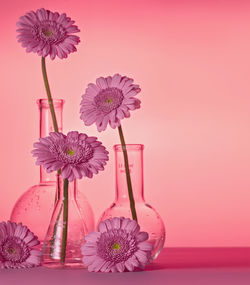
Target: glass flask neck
{"points": [[46, 126], [135, 158], [67, 229], [72, 189]]}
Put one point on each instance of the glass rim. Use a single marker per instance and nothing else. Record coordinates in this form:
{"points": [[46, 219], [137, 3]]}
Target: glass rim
{"points": [[118, 147], [45, 102]]}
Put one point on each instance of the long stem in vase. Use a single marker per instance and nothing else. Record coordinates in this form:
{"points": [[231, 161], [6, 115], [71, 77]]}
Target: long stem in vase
{"points": [[129, 184], [66, 182], [51, 105], [65, 219]]}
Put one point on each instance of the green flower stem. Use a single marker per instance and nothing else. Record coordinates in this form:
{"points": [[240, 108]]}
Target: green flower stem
{"points": [[65, 218], [66, 182], [51, 106], [130, 191]]}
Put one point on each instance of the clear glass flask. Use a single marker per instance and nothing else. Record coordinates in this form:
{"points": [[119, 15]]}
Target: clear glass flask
{"points": [[66, 232], [35, 206], [148, 218]]}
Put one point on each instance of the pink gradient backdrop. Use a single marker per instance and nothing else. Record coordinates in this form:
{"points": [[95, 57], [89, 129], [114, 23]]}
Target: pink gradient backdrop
{"points": [[192, 61]]}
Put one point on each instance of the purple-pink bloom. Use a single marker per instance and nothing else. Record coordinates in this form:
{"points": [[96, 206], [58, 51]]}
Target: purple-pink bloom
{"points": [[118, 245], [76, 154], [17, 246], [109, 101], [47, 33]]}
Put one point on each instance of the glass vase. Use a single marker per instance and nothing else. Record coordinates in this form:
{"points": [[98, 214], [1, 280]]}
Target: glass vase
{"points": [[35, 206], [66, 232], [148, 218]]}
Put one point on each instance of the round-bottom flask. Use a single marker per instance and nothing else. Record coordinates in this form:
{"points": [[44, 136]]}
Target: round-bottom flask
{"points": [[35, 206], [148, 218]]}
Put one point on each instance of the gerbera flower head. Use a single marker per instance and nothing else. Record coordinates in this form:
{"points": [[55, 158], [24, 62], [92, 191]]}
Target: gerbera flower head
{"points": [[108, 101], [47, 33], [118, 245], [17, 246], [76, 154]]}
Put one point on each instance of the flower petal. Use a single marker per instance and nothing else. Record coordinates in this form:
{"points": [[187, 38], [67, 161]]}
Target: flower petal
{"points": [[141, 236], [115, 80], [120, 266], [142, 256], [145, 246]]}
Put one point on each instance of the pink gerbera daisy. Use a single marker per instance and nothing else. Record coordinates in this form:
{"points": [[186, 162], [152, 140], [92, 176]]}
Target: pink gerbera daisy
{"points": [[17, 246], [118, 245], [108, 101], [47, 33], [76, 154]]}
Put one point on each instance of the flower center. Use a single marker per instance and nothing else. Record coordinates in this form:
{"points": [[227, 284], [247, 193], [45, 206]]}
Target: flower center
{"points": [[116, 246], [70, 152], [47, 32], [11, 250], [108, 99]]}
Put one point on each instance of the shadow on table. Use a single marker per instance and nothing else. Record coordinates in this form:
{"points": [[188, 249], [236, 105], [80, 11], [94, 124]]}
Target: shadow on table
{"points": [[174, 258]]}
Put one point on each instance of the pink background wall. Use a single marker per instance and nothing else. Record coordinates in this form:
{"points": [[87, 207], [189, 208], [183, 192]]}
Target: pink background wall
{"points": [[192, 61]]}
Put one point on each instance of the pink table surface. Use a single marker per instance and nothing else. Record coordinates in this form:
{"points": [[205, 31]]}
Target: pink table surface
{"points": [[201, 266]]}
